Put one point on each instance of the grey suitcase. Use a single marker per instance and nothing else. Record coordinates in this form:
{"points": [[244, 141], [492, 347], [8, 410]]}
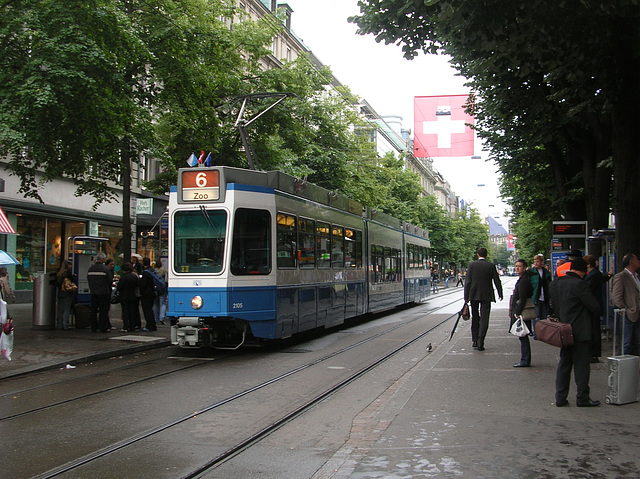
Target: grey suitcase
{"points": [[624, 379], [624, 370]]}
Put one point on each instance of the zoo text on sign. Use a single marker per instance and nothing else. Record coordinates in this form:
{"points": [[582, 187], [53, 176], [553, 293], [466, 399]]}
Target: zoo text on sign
{"points": [[198, 185]]}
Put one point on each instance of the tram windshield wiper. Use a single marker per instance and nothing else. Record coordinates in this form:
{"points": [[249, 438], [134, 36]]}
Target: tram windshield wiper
{"points": [[214, 229]]}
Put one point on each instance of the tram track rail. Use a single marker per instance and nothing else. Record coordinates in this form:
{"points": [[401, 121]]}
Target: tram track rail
{"points": [[133, 382], [264, 432]]}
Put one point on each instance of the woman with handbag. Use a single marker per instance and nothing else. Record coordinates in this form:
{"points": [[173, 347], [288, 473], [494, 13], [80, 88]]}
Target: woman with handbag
{"points": [[521, 292], [67, 286]]}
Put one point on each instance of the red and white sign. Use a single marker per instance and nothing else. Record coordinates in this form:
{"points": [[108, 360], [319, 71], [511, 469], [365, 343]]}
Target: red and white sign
{"points": [[200, 185], [441, 127]]}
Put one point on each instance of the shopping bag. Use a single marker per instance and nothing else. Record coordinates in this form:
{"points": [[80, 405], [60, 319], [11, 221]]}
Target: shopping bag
{"points": [[6, 344], [519, 328], [6, 328]]}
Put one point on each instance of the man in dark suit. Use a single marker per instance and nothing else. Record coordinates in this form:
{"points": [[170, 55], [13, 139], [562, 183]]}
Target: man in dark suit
{"points": [[479, 290], [574, 304]]}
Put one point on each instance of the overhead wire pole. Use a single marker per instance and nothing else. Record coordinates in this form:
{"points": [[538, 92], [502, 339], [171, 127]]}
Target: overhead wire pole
{"points": [[241, 124]]}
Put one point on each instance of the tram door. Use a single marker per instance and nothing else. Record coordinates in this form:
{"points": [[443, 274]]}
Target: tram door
{"points": [[82, 252]]}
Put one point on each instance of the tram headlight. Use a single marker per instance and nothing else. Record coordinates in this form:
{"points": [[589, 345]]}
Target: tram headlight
{"points": [[197, 302]]}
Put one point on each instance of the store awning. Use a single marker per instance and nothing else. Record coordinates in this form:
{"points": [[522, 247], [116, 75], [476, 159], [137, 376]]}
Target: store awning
{"points": [[5, 226]]}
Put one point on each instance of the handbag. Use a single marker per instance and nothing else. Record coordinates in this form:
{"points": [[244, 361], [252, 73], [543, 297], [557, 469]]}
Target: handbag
{"points": [[465, 312], [68, 286], [519, 328], [554, 332], [529, 311]]}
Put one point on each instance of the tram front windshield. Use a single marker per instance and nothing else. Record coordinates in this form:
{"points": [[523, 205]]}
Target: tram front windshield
{"points": [[199, 241]]}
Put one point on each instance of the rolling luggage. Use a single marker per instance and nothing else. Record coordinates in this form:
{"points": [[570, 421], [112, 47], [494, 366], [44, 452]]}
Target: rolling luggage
{"points": [[624, 379], [624, 370]]}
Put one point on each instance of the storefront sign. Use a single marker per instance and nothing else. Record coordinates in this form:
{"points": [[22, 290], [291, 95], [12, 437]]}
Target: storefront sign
{"points": [[93, 228], [144, 206]]}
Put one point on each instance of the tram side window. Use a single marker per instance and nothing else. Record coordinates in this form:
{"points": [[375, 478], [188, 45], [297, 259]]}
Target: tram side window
{"points": [[307, 243], [323, 245], [337, 247], [377, 263], [359, 249], [410, 256], [251, 250], [349, 248], [287, 246], [392, 260], [199, 241]]}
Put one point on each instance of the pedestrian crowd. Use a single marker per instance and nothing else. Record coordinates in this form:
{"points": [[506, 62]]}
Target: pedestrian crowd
{"points": [[573, 295], [139, 286]]}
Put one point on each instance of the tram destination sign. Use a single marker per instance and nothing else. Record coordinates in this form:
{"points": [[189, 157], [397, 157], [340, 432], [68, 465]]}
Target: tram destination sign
{"points": [[200, 185]]}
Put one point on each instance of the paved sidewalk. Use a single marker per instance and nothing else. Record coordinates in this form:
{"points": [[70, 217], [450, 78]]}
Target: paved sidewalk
{"points": [[48, 349], [469, 414]]}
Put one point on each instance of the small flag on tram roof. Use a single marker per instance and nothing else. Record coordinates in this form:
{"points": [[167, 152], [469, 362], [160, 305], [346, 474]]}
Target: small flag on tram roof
{"points": [[208, 161], [192, 160], [201, 157]]}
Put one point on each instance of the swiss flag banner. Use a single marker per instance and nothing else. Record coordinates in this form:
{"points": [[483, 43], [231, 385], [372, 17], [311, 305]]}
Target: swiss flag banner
{"points": [[440, 127]]}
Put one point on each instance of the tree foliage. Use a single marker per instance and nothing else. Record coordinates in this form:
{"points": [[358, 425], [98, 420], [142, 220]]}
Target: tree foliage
{"points": [[556, 104], [90, 87]]}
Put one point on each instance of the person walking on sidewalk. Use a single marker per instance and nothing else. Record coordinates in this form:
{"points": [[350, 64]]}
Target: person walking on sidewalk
{"points": [[148, 295], [573, 302], [521, 291], [99, 278], [478, 290]]}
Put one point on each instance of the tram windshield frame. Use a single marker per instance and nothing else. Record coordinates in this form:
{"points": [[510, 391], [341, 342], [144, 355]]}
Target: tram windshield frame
{"points": [[199, 241]]}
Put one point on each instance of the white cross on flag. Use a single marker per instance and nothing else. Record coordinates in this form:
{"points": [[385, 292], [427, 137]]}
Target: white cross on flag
{"points": [[441, 127]]}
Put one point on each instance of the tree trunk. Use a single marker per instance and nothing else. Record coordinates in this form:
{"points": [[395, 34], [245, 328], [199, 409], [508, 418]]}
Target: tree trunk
{"points": [[626, 170], [126, 201]]}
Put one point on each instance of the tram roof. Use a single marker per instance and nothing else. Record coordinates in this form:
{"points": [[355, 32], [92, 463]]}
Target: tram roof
{"points": [[295, 186]]}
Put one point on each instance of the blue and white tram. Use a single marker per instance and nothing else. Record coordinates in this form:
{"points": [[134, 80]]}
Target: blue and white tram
{"points": [[261, 255]]}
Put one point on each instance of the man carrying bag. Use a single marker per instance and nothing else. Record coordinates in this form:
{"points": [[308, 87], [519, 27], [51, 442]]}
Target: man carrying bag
{"points": [[573, 302]]}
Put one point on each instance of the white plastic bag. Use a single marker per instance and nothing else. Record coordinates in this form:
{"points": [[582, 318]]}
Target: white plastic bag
{"points": [[6, 345], [6, 338], [519, 328]]}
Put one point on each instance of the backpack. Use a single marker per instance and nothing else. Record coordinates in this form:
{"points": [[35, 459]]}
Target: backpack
{"points": [[159, 286]]}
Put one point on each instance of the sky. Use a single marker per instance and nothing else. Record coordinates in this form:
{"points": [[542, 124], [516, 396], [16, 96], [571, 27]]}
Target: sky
{"points": [[380, 74]]}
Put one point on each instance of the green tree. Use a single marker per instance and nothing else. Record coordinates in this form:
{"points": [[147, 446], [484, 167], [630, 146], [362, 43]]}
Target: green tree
{"points": [[89, 87], [533, 236], [552, 93]]}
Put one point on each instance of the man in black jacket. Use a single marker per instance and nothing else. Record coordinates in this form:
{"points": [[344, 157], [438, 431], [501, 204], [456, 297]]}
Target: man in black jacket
{"points": [[99, 278], [573, 303], [147, 293], [479, 290]]}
